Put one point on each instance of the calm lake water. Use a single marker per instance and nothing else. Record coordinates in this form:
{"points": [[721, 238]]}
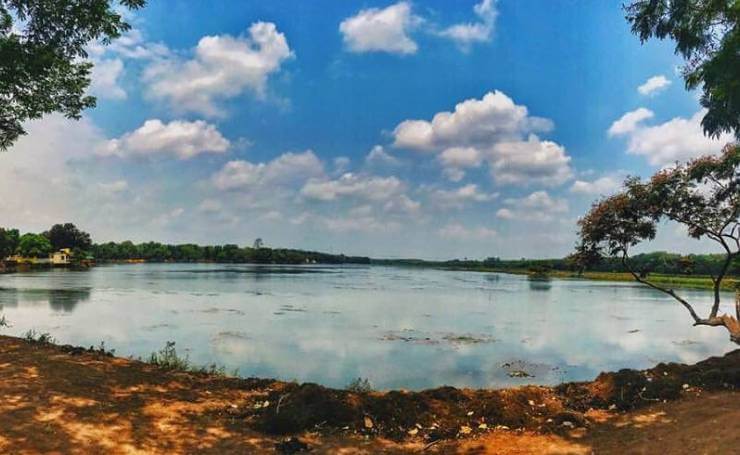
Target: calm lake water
{"points": [[397, 327]]}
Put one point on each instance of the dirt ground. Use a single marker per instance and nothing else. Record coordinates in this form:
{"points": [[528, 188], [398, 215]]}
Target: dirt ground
{"points": [[60, 400]]}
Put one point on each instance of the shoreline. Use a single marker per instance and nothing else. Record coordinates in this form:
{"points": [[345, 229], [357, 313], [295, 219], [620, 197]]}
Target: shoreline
{"points": [[83, 392], [700, 282]]}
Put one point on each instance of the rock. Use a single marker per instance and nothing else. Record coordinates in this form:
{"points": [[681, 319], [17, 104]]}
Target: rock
{"points": [[292, 445], [368, 423]]}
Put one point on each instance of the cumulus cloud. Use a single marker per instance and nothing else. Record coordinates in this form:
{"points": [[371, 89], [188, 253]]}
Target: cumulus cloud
{"points": [[181, 138], [533, 161], [654, 85], [352, 185], [455, 159], [105, 79], [379, 156], [537, 206], [381, 30], [223, 67], [629, 121], [678, 139], [474, 122], [115, 187], [286, 169], [456, 231], [602, 186], [474, 32], [492, 129], [459, 197]]}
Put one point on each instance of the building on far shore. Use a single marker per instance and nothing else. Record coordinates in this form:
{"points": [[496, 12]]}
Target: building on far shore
{"points": [[62, 257]]}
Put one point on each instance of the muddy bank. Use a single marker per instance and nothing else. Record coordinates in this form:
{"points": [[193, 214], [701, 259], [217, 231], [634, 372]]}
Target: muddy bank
{"points": [[447, 412], [65, 398]]}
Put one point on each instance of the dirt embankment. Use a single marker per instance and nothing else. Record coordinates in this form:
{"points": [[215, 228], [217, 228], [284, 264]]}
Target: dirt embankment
{"points": [[67, 400]]}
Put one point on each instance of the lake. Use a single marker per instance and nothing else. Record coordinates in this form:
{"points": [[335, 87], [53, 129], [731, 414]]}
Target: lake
{"points": [[397, 327]]}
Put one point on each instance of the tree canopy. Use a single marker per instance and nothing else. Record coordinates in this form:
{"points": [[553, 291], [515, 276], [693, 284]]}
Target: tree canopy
{"points": [[44, 67], [703, 195], [707, 36], [68, 236], [34, 245]]}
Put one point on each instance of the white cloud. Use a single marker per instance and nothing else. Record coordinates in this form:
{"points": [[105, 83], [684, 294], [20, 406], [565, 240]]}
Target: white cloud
{"points": [[678, 139], [105, 79], [533, 161], [351, 185], [602, 186], [210, 206], [493, 129], [115, 187], [381, 30], [455, 159], [402, 205], [629, 121], [457, 198], [654, 85], [223, 67], [474, 32], [493, 118], [182, 138], [378, 156], [538, 206], [456, 231], [287, 169]]}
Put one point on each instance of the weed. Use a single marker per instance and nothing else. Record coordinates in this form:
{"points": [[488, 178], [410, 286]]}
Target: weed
{"points": [[360, 385]]}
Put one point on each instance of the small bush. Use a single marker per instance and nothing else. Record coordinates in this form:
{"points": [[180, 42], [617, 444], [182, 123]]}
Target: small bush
{"points": [[360, 385], [32, 336], [168, 359]]}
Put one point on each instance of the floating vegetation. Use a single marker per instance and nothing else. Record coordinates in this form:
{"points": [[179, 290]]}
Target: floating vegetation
{"points": [[412, 336]]}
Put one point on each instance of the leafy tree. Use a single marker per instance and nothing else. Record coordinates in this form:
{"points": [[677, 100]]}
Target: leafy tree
{"points": [[68, 236], [34, 245], [8, 242], [707, 36], [703, 195], [43, 62]]}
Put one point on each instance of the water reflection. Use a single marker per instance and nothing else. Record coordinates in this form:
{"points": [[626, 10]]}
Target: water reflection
{"points": [[60, 300], [400, 328], [537, 283]]}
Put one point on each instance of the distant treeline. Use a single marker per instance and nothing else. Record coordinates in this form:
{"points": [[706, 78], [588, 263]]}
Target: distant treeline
{"points": [[158, 252], [657, 262]]}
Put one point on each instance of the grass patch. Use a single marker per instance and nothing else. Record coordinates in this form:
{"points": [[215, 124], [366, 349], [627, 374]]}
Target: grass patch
{"points": [[360, 385], [167, 358], [32, 336]]}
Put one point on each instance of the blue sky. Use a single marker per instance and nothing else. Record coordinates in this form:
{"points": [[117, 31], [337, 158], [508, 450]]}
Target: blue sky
{"points": [[312, 125]]}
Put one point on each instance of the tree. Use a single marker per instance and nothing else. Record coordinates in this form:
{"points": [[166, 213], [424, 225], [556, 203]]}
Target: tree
{"points": [[258, 243], [8, 242], [43, 62], [703, 195], [34, 245], [68, 236], [707, 36]]}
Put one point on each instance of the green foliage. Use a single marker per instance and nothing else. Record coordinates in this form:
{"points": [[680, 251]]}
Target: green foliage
{"points": [[34, 245], [168, 359], [41, 338], [68, 236], [158, 252], [9, 239], [707, 36], [359, 385], [43, 62]]}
